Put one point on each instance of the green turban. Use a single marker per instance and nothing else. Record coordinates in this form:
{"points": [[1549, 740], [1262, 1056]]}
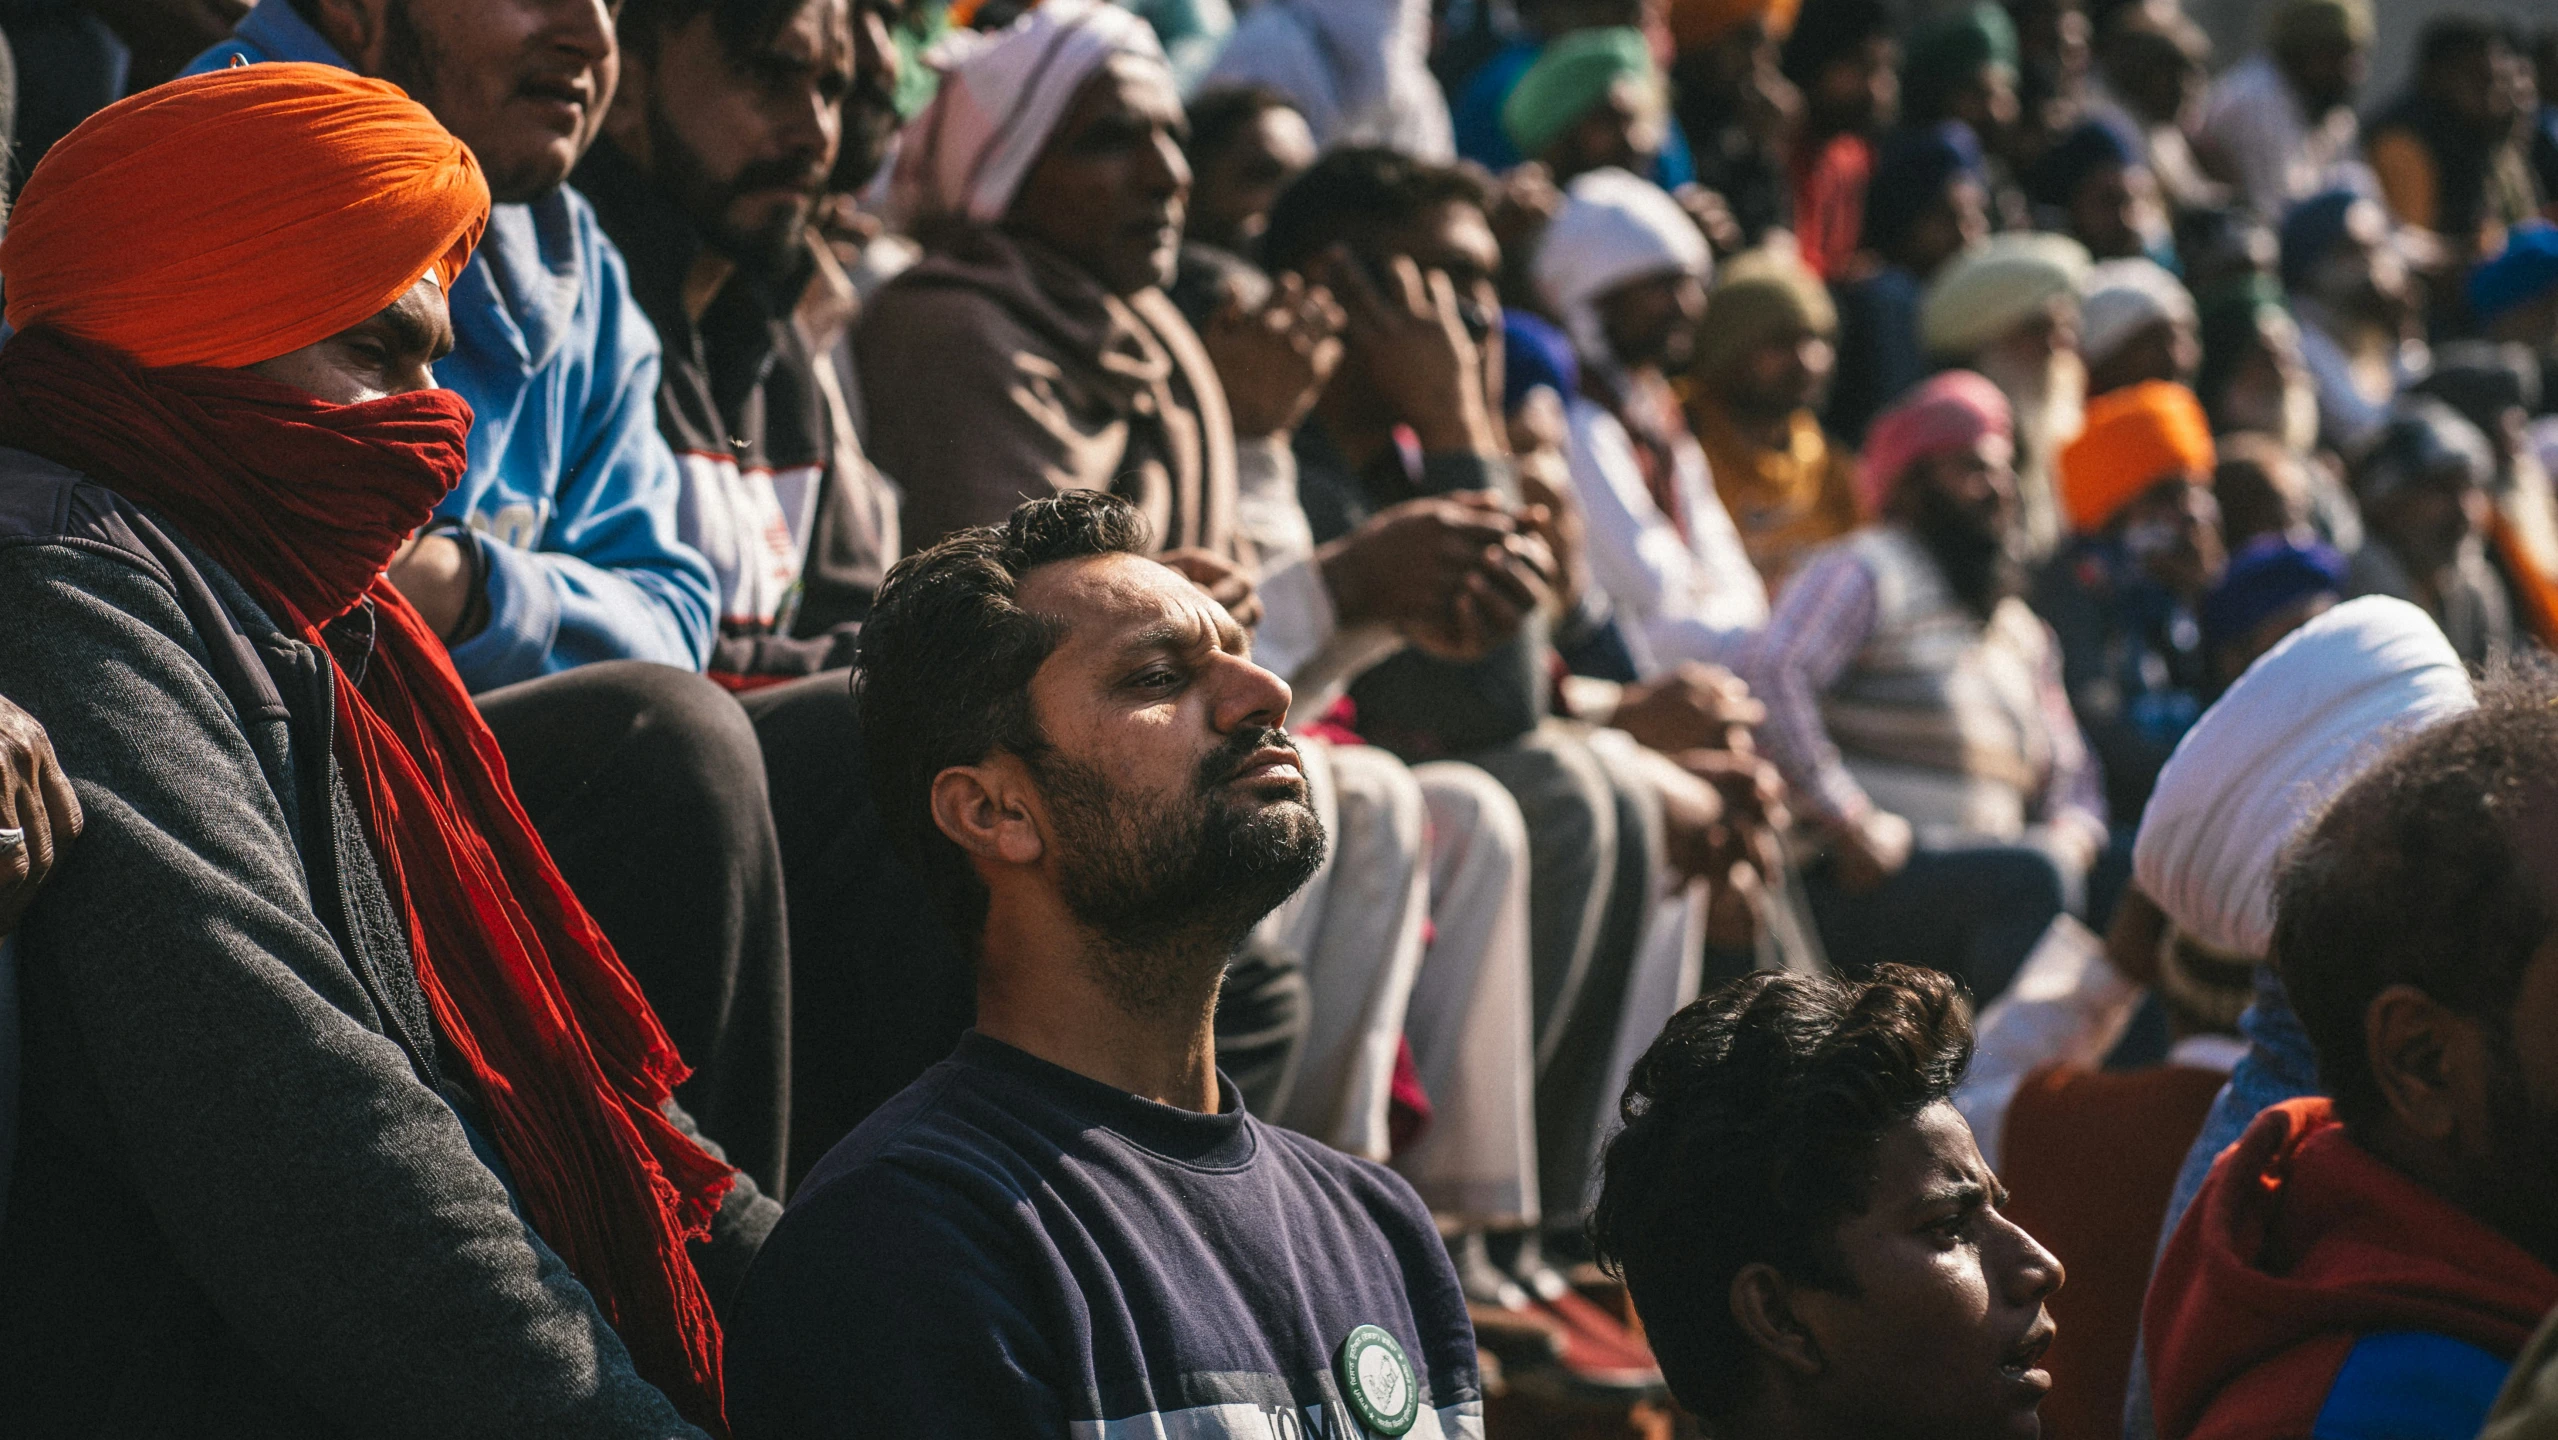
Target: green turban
{"points": [[1574, 74], [1949, 52]]}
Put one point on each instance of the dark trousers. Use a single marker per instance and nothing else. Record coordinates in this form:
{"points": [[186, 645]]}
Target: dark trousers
{"points": [[1974, 913], [645, 783]]}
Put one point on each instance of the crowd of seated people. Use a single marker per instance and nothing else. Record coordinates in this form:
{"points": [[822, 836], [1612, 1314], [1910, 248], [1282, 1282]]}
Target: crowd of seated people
{"points": [[795, 718]]}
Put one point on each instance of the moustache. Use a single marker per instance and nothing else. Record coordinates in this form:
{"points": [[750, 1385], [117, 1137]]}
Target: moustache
{"points": [[796, 173], [1227, 761]]}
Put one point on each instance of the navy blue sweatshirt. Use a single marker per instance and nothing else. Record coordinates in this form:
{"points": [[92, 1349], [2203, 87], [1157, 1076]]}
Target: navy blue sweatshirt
{"points": [[1008, 1248]]}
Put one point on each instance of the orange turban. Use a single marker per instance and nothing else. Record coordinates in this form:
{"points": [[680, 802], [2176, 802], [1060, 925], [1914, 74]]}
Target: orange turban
{"points": [[2135, 437], [228, 218], [1695, 24]]}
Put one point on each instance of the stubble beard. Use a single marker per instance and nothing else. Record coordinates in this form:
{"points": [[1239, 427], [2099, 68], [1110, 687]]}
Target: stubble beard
{"points": [[412, 60], [1168, 892], [767, 249], [2512, 1192]]}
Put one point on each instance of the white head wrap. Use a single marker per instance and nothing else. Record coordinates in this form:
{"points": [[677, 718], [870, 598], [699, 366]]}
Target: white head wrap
{"points": [[1001, 98], [1358, 70], [1996, 286], [1613, 228], [2121, 298], [2297, 728]]}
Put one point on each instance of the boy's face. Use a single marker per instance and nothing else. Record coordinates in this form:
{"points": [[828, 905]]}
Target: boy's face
{"points": [[1941, 1338]]}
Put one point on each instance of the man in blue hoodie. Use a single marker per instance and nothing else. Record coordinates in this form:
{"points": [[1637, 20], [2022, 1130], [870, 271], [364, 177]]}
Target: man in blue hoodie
{"points": [[559, 549], [567, 516]]}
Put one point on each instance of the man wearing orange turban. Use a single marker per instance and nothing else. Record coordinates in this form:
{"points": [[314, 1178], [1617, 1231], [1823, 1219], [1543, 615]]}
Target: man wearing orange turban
{"points": [[566, 546], [2122, 593], [369, 1127]]}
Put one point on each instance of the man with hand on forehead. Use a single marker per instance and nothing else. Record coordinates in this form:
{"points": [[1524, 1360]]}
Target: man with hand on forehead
{"points": [[340, 1114], [1072, 1224]]}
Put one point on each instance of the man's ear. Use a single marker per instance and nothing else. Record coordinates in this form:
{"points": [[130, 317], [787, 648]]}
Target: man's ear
{"points": [[1763, 1305], [355, 27], [2429, 1061], [988, 810]]}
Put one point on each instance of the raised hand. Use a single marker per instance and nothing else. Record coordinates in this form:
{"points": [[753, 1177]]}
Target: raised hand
{"points": [[1274, 359]]}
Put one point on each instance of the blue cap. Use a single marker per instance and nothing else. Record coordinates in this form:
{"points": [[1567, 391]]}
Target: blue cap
{"points": [[1916, 165], [2527, 270], [2090, 146], [1534, 353], [2269, 576], [2311, 229]]}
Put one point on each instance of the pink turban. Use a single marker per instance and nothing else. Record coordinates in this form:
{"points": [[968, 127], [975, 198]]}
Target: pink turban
{"points": [[1948, 411]]}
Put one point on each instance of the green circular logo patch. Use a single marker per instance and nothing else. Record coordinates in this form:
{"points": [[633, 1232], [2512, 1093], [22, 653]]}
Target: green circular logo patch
{"points": [[1378, 1381]]}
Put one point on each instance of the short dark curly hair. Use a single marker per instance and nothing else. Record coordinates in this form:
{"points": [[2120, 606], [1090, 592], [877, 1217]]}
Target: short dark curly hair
{"points": [[946, 664], [1219, 113], [2412, 876], [1357, 192], [1750, 1131]]}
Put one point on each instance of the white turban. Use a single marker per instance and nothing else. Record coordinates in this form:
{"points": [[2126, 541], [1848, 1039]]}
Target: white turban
{"points": [[2121, 298], [2297, 728], [1614, 228], [1002, 95], [1996, 286]]}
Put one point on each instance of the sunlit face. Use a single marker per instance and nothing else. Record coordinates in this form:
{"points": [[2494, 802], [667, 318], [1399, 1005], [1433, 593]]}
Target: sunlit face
{"points": [[1959, 219], [2116, 211], [1789, 372], [2173, 530], [1111, 190], [392, 353], [1151, 678], [524, 83], [744, 141], [1860, 91], [1238, 185], [1455, 239], [1626, 129], [2429, 519], [1977, 482], [2164, 349], [1653, 320], [1175, 804], [1944, 1331]]}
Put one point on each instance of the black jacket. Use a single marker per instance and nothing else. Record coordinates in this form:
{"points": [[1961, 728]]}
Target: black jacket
{"points": [[743, 395]]}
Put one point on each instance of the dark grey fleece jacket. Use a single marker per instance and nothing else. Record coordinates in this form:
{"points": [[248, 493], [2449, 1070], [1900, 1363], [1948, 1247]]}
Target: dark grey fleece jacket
{"points": [[248, 1200]]}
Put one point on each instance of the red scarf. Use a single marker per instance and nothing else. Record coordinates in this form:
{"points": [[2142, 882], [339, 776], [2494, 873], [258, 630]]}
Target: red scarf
{"points": [[305, 503]]}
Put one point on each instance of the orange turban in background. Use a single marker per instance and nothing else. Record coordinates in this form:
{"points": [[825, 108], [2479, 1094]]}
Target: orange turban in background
{"points": [[229, 218], [1695, 24], [2135, 437]]}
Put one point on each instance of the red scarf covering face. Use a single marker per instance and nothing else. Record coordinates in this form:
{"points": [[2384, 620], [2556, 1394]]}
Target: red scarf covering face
{"points": [[305, 503]]}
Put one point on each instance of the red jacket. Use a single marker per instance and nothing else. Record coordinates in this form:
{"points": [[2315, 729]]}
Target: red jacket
{"points": [[2312, 1288], [2089, 1159]]}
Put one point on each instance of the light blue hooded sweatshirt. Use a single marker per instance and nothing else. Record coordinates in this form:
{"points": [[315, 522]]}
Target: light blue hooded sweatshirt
{"points": [[571, 491]]}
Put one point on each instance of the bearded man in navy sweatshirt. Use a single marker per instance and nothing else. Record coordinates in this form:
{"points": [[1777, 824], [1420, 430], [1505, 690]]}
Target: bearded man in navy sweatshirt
{"points": [[1071, 1225]]}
